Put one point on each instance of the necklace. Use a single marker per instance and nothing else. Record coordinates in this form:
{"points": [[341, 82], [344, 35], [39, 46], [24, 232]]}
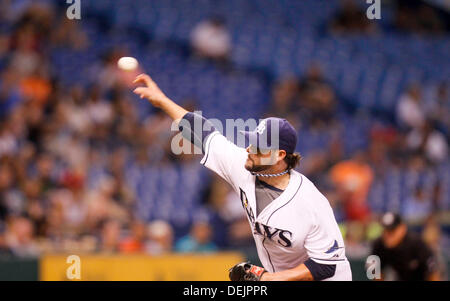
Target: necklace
{"points": [[270, 175]]}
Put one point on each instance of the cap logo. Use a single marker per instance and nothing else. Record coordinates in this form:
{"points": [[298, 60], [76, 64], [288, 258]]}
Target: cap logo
{"points": [[261, 127]]}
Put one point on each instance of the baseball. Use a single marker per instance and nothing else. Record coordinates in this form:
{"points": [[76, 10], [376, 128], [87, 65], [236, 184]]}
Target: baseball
{"points": [[127, 63]]}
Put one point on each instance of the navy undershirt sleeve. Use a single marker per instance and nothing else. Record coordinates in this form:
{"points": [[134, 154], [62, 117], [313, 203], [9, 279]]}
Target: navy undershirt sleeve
{"points": [[196, 129], [320, 271]]}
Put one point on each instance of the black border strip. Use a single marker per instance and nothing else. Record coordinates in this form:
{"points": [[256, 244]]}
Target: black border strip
{"points": [[276, 290]]}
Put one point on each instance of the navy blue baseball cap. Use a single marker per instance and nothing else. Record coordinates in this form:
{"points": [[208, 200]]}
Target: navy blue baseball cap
{"points": [[273, 133]]}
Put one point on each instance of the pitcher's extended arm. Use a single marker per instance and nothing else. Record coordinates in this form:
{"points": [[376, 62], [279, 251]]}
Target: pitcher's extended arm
{"points": [[185, 120]]}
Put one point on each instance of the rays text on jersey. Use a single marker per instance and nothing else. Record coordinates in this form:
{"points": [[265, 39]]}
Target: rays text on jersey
{"points": [[280, 236]]}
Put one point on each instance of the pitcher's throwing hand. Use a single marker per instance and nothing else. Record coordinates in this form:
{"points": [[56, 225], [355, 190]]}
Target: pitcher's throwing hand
{"points": [[156, 97], [151, 91]]}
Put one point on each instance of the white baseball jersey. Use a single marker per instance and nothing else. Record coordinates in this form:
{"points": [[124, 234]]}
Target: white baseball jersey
{"points": [[297, 225]]}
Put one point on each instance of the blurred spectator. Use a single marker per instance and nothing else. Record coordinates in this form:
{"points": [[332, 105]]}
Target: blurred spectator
{"points": [[439, 108], [11, 202], [3, 248], [36, 89], [224, 200], [355, 240], [109, 76], [285, 95], [418, 207], [69, 34], [410, 111], [418, 17], [432, 235], [71, 211], [353, 179], [19, 237], [211, 39], [101, 204], [8, 143], [160, 238], [198, 241], [351, 19], [99, 110], [428, 142], [404, 252], [383, 147], [317, 101], [134, 241], [228, 205], [110, 236]]}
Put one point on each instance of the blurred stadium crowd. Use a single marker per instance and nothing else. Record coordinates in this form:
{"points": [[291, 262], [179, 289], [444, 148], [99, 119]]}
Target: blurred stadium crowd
{"points": [[85, 166]]}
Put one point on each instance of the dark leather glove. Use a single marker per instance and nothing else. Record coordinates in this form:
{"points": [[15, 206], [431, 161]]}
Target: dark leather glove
{"points": [[245, 271]]}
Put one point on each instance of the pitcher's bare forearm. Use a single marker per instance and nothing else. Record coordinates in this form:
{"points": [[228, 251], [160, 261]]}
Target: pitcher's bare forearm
{"points": [[175, 111]]}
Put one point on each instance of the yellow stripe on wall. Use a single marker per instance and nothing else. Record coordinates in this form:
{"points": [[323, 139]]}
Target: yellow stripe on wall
{"points": [[180, 267]]}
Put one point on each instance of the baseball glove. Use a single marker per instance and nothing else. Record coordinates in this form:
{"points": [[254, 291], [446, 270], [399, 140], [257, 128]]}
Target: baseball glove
{"points": [[245, 271]]}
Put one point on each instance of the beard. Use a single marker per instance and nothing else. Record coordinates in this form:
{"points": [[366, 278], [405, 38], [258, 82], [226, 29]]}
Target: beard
{"points": [[250, 166]]}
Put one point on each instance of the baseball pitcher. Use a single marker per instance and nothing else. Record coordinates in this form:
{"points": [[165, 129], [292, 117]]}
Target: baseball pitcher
{"points": [[295, 231]]}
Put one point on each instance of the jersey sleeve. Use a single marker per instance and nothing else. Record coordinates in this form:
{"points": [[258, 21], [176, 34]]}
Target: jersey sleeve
{"points": [[323, 241], [331, 253], [224, 158]]}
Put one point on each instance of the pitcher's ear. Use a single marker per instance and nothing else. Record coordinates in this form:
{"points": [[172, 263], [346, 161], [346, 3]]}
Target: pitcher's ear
{"points": [[282, 154]]}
